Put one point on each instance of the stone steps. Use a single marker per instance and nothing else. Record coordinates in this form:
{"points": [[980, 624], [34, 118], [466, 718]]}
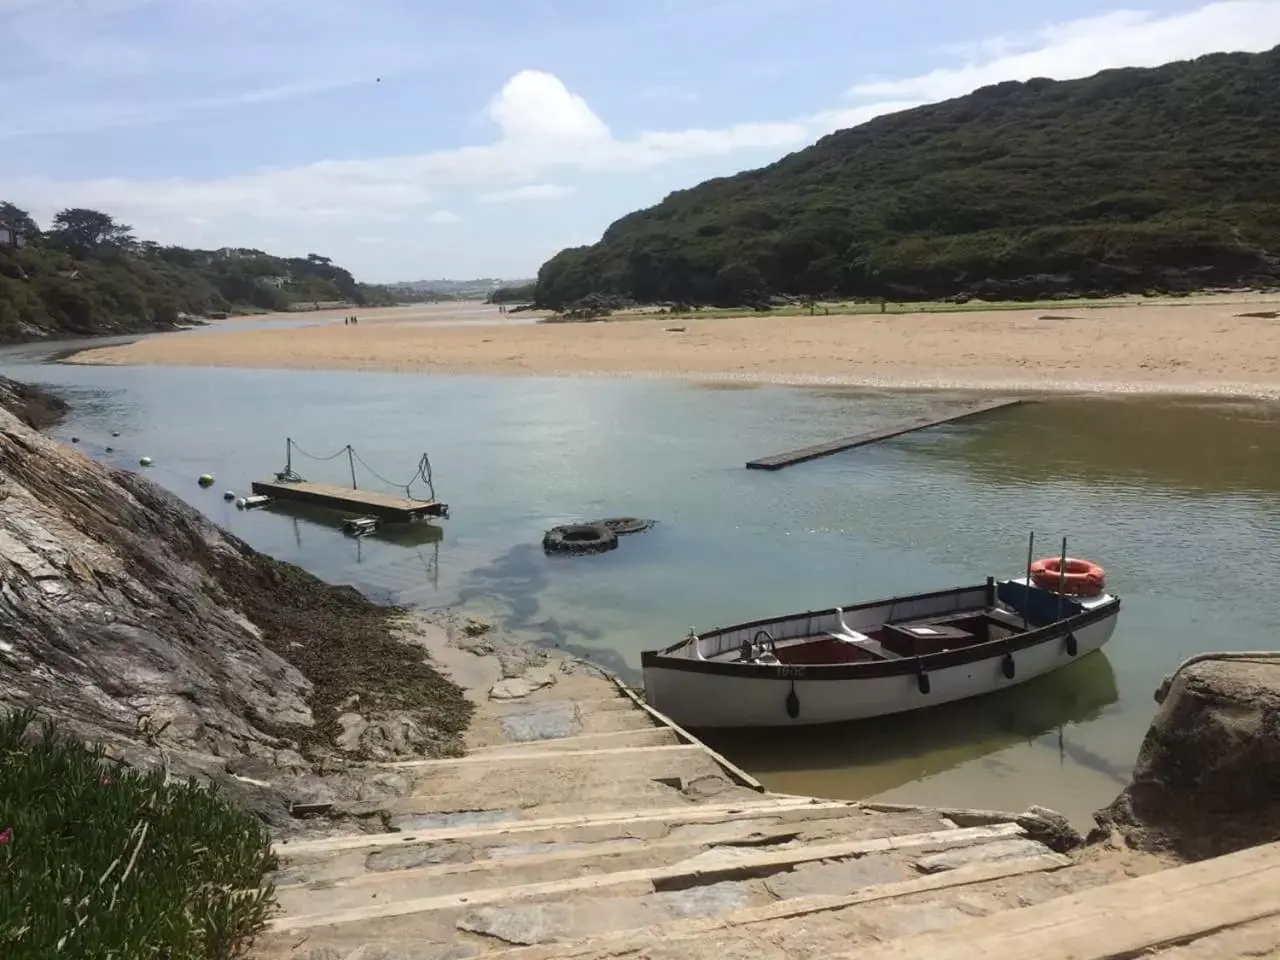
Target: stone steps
{"points": [[554, 717], [554, 782], [350, 894], [416, 870], [582, 826], [641, 737]]}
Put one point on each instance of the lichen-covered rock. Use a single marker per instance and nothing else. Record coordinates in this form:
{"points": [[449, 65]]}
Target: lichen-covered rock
{"points": [[1207, 780], [108, 622], [134, 621]]}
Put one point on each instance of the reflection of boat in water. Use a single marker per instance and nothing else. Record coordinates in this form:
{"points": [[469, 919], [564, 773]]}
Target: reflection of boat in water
{"points": [[870, 756], [882, 657]]}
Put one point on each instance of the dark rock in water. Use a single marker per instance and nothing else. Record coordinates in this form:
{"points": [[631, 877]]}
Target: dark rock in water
{"points": [[623, 526], [1207, 780], [34, 406]]}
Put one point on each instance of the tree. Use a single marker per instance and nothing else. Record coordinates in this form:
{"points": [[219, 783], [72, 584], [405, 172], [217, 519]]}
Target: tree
{"points": [[738, 283], [82, 231], [18, 220]]}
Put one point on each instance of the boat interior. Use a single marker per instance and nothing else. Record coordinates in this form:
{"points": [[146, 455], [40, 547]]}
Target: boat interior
{"points": [[911, 627], [893, 641]]}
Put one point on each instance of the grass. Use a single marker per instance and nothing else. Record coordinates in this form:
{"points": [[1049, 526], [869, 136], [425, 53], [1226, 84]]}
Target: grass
{"points": [[853, 308], [98, 861], [847, 308]]}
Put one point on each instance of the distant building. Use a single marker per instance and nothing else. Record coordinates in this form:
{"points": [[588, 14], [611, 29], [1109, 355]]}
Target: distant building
{"points": [[275, 283], [10, 238]]}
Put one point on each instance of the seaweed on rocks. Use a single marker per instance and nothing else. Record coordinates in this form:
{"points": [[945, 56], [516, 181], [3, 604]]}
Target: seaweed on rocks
{"points": [[123, 606]]}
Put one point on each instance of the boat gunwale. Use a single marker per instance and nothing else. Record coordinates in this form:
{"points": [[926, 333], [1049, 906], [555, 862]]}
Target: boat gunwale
{"points": [[874, 669]]}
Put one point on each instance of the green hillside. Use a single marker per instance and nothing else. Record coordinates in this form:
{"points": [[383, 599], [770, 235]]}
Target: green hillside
{"points": [[88, 275], [1131, 181]]}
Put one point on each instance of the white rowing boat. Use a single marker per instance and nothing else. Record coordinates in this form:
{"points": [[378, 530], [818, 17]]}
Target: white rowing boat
{"points": [[882, 657]]}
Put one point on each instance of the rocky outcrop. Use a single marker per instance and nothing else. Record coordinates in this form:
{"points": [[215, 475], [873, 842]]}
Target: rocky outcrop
{"points": [[134, 621], [35, 407], [1207, 780]]}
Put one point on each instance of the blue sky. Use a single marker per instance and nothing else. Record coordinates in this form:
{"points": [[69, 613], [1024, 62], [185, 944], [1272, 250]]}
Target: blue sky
{"points": [[414, 138]]}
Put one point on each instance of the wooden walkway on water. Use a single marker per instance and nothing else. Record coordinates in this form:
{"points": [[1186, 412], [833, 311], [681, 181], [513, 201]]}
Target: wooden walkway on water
{"points": [[372, 503], [780, 460]]}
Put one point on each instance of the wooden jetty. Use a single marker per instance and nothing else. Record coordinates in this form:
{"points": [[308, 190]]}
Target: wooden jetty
{"points": [[778, 461], [373, 503]]}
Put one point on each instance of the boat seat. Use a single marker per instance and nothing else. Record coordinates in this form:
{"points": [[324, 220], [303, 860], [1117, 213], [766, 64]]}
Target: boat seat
{"points": [[867, 643], [847, 634]]}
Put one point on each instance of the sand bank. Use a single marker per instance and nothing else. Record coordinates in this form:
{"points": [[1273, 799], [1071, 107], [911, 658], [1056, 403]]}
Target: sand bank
{"points": [[1193, 346]]}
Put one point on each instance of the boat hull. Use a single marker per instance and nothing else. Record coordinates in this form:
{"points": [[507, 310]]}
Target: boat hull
{"points": [[717, 700]]}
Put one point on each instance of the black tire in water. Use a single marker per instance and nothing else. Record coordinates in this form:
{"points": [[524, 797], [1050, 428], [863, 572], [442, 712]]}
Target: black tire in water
{"points": [[580, 538]]}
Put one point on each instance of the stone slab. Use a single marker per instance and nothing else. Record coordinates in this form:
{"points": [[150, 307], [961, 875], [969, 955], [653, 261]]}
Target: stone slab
{"points": [[982, 853], [549, 720], [531, 923]]}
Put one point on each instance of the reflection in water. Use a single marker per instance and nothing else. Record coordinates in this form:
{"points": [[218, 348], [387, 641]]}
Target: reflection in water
{"points": [[409, 535], [508, 589], [422, 538], [1199, 445], [855, 760]]}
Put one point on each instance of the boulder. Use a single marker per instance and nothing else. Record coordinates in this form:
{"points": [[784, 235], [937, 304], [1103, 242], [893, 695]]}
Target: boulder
{"points": [[1207, 779]]}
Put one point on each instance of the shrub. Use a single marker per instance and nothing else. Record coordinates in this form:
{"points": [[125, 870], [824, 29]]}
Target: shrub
{"points": [[100, 861]]}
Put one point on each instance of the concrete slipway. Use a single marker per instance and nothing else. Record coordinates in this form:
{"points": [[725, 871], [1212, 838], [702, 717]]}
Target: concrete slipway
{"points": [[580, 824]]}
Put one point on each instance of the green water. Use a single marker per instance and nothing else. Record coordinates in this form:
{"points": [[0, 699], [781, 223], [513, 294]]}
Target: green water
{"points": [[1179, 499]]}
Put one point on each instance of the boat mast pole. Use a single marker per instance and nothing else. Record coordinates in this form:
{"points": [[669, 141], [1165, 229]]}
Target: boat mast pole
{"points": [[288, 456], [1062, 576], [1026, 604]]}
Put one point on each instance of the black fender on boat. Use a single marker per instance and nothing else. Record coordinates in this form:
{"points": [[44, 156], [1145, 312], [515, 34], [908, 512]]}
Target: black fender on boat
{"points": [[1008, 667], [793, 702]]}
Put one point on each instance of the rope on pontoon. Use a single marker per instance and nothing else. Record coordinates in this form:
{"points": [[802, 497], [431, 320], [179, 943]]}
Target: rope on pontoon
{"points": [[422, 473], [1244, 655]]}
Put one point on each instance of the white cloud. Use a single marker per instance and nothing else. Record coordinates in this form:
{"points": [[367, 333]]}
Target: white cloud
{"points": [[534, 191], [544, 130], [1125, 38], [535, 108]]}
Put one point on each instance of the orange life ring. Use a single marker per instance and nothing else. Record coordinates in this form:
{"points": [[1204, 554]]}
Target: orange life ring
{"points": [[1082, 578]]}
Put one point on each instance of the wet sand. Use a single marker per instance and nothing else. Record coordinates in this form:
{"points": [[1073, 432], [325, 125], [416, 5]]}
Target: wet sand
{"points": [[1194, 346]]}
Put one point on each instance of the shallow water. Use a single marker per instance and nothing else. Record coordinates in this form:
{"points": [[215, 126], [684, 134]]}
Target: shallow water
{"points": [[1179, 499]]}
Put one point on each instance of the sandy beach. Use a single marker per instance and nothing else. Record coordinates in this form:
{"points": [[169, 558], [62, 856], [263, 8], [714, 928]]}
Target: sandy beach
{"points": [[1194, 346]]}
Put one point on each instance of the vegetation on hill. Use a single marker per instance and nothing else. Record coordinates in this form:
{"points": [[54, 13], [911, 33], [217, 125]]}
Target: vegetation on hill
{"points": [[524, 293], [1131, 181], [97, 860], [87, 274]]}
